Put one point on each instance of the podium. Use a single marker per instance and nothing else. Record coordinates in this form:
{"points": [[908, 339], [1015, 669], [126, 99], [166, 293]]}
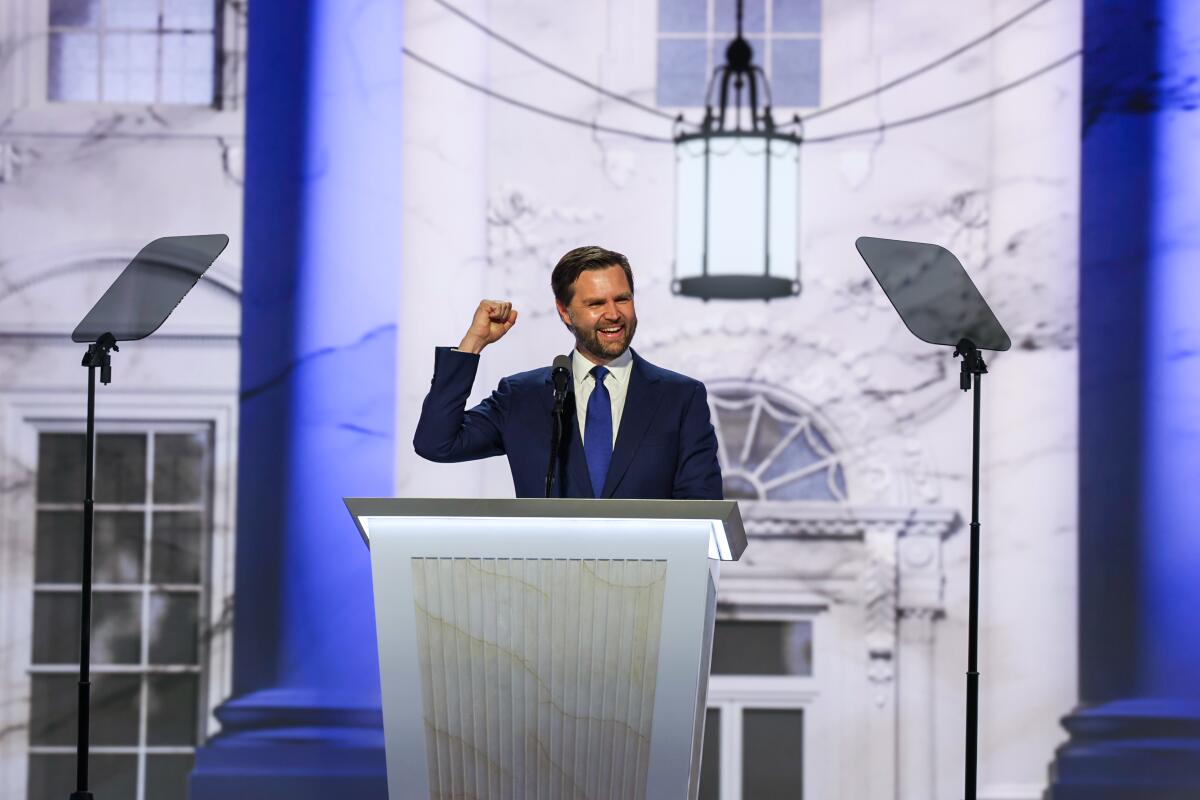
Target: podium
{"points": [[553, 648]]}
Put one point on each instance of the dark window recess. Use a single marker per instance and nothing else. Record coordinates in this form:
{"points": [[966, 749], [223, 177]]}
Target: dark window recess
{"points": [[769, 647]]}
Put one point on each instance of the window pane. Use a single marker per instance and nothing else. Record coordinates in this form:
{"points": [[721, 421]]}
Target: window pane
{"points": [[725, 16], [115, 703], [759, 48], [130, 63], [174, 628], [60, 468], [121, 468], [132, 13], [176, 547], [187, 69], [189, 14], [52, 705], [119, 544], [806, 450], [735, 426], [796, 72], [796, 16], [114, 709], [762, 648], [682, 79], [56, 628], [710, 756], [78, 13], [74, 62], [768, 432], [682, 16], [117, 550], [179, 472], [773, 753], [171, 716], [59, 546], [166, 776], [116, 627], [52, 777]]}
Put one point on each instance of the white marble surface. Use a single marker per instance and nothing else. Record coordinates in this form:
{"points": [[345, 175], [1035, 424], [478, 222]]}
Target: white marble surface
{"points": [[538, 675]]}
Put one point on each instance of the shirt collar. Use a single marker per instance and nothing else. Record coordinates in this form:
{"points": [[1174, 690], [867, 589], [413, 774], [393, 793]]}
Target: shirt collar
{"points": [[619, 367]]}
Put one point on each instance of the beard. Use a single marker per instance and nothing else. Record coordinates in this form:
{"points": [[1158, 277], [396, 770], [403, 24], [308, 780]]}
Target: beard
{"points": [[589, 341]]}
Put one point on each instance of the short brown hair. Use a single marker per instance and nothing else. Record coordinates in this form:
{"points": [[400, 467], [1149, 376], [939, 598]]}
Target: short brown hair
{"points": [[584, 258]]}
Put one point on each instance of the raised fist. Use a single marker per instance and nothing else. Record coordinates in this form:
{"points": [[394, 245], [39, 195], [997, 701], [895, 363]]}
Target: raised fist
{"points": [[493, 318]]}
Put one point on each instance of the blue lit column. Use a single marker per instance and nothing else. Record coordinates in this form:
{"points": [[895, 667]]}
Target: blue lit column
{"points": [[318, 384], [1136, 733]]}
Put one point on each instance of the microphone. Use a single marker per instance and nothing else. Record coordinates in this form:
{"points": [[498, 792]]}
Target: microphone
{"points": [[560, 372]]}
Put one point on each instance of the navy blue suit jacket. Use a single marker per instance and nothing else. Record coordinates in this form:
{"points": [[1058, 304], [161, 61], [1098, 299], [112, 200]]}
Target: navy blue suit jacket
{"points": [[665, 447]]}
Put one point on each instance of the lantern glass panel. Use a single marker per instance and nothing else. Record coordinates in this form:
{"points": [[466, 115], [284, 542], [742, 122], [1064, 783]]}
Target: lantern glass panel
{"points": [[784, 209], [689, 209], [737, 215]]}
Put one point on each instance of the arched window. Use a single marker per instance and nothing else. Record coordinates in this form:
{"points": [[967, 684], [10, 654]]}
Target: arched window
{"points": [[771, 448]]}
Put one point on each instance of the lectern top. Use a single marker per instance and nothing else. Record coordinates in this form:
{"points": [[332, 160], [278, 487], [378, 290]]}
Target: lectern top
{"points": [[724, 514]]}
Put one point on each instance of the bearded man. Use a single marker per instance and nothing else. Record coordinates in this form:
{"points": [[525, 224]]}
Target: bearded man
{"points": [[631, 429]]}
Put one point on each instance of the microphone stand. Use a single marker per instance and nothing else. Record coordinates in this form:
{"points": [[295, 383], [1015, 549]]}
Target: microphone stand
{"points": [[560, 398]]}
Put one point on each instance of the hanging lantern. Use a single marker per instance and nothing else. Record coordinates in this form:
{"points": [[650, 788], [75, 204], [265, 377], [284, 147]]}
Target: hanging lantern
{"points": [[737, 193]]}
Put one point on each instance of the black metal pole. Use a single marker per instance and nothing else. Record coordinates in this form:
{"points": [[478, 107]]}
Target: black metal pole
{"points": [[85, 613], [971, 376], [97, 357], [972, 754]]}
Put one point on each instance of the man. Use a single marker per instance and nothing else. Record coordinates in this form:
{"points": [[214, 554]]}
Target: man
{"points": [[630, 429]]}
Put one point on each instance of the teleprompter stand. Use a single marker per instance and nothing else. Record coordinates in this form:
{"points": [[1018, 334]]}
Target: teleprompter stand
{"points": [[137, 303], [939, 304]]}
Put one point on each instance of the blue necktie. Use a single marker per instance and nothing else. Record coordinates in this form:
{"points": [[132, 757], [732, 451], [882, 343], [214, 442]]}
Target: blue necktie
{"points": [[597, 432]]}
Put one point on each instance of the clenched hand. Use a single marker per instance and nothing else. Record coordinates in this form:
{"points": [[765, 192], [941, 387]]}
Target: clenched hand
{"points": [[493, 319]]}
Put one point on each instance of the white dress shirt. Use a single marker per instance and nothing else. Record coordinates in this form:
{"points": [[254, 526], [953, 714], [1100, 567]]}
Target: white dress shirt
{"points": [[617, 382]]}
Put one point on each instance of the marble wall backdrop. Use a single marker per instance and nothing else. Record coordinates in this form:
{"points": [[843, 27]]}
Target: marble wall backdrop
{"points": [[494, 195]]}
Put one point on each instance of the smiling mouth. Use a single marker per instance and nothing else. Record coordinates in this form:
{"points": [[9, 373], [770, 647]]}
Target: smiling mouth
{"points": [[612, 332]]}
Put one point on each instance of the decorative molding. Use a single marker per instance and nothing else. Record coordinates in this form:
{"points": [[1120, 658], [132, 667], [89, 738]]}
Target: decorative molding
{"points": [[902, 567], [880, 582], [811, 520]]}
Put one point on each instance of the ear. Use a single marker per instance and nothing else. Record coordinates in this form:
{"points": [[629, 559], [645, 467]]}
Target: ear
{"points": [[562, 312]]}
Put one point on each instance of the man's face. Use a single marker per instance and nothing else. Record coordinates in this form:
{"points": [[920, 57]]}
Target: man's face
{"points": [[601, 313]]}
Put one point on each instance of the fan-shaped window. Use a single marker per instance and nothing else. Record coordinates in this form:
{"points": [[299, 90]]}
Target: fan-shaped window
{"points": [[770, 449]]}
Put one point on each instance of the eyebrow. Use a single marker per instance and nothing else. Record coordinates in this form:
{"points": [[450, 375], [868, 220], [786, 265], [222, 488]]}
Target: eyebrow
{"points": [[591, 301]]}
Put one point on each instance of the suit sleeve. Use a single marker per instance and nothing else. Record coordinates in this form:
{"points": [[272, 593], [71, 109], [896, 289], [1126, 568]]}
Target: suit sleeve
{"points": [[697, 474], [447, 431]]}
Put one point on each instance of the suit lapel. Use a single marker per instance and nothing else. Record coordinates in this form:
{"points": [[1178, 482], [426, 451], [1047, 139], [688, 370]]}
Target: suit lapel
{"points": [[641, 401]]}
